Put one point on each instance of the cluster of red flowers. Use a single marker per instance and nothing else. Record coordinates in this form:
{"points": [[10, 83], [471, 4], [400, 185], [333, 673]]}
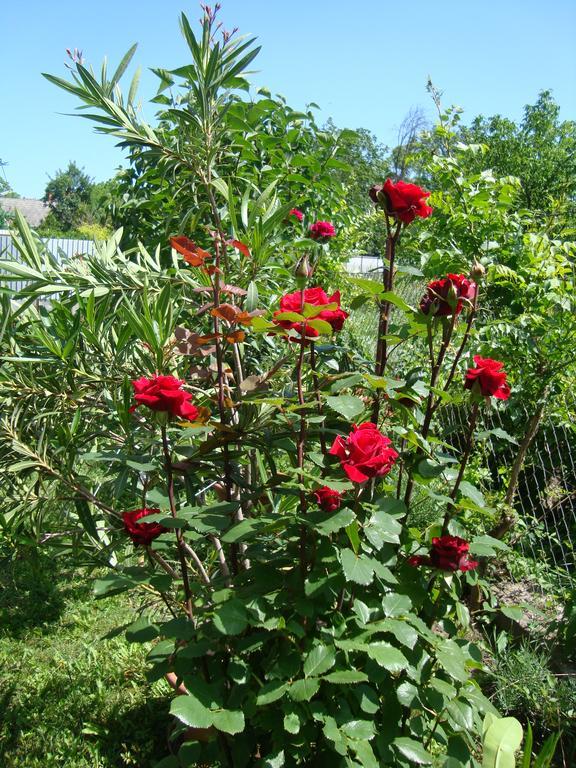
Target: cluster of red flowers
{"points": [[366, 452], [448, 553]]}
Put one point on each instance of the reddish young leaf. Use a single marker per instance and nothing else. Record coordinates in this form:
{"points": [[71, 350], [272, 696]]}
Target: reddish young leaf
{"points": [[242, 247]]}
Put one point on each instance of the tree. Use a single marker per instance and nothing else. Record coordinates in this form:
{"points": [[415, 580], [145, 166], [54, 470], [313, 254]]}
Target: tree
{"points": [[540, 151], [68, 194]]}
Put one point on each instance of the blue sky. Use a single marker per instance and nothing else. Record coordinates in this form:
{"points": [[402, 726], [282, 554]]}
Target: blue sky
{"points": [[366, 64]]}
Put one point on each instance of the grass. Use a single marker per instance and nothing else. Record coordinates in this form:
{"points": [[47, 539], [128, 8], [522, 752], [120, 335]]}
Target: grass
{"points": [[70, 698]]}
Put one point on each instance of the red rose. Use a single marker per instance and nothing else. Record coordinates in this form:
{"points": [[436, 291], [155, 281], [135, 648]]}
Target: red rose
{"points": [[448, 553], [164, 393], [321, 231], [365, 453], [142, 533], [292, 302], [445, 296], [402, 200], [488, 378], [296, 214], [327, 499]]}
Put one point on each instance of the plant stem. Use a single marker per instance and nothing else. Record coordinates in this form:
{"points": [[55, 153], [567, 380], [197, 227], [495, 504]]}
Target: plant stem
{"points": [[179, 538], [317, 393], [300, 444], [463, 463], [385, 311], [447, 332]]}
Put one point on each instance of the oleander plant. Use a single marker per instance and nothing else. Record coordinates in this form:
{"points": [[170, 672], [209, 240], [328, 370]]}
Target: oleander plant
{"points": [[215, 444]]}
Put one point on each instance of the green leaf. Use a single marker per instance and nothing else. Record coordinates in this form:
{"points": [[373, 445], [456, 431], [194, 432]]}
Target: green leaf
{"points": [[502, 738], [396, 605], [329, 525], [412, 750], [365, 754], [230, 618], [347, 406], [361, 730], [356, 568], [487, 546], [141, 631], [320, 659], [304, 690], [407, 694], [291, 722], [271, 692], [472, 493], [323, 328], [385, 655], [252, 297], [382, 528], [229, 721], [398, 301], [189, 710], [346, 676], [123, 66]]}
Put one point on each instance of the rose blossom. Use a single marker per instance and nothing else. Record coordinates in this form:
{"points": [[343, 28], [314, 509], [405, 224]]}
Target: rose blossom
{"points": [[488, 378], [292, 302], [401, 200], [447, 295], [327, 499], [448, 553], [321, 231], [365, 453], [164, 393], [139, 532], [296, 214]]}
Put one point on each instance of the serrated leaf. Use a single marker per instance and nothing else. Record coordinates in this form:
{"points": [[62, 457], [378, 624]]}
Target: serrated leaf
{"points": [[346, 676], [412, 750], [189, 710], [396, 605], [320, 659], [329, 525], [385, 655], [271, 692], [229, 721], [357, 568], [304, 690], [291, 722], [230, 618]]}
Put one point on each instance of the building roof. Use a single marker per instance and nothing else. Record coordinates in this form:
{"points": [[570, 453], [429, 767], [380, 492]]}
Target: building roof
{"points": [[34, 211]]}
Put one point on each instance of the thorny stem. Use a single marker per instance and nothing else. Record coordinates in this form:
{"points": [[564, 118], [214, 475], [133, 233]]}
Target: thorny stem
{"points": [[179, 538], [463, 463]]}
